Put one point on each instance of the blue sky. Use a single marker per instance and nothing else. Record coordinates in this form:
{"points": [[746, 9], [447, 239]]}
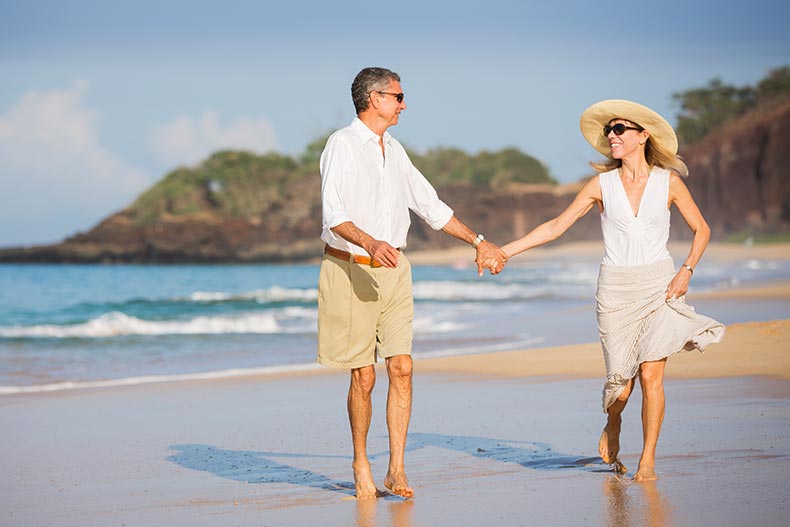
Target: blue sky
{"points": [[99, 100]]}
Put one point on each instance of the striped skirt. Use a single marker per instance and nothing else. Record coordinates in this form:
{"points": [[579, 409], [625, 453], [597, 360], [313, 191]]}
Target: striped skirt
{"points": [[638, 324]]}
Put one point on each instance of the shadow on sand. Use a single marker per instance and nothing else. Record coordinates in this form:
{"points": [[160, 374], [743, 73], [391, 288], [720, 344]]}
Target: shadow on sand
{"points": [[260, 467], [625, 501], [529, 454], [254, 467]]}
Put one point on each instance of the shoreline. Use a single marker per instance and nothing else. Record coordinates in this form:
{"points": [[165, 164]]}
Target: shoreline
{"points": [[768, 344], [585, 357]]}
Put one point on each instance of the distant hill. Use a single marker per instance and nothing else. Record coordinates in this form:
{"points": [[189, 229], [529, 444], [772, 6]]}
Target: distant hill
{"points": [[241, 207]]}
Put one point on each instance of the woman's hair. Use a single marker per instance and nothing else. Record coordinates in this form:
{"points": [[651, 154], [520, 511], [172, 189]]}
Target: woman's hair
{"points": [[654, 155]]}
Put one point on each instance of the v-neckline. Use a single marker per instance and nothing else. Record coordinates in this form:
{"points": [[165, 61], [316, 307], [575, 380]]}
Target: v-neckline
{"points": [[641, 198]]}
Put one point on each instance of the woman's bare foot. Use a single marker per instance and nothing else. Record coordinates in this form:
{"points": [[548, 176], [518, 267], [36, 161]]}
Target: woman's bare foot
{"points": [[363, 481], [609, 444], [398, 484]]}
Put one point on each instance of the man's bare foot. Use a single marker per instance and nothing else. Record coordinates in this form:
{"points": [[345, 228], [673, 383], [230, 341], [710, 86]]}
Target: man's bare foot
{"points": [[363, 481], [398, 484], [618, 467], [645, 472], [645, 475], [646, 469], [609, 444]]}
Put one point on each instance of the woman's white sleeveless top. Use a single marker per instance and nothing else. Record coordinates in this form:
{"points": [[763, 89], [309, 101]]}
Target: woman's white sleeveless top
{"points": [[640, 239]]}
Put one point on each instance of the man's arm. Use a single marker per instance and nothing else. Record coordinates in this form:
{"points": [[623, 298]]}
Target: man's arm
{"points": [[381, 251], [489, 255]]}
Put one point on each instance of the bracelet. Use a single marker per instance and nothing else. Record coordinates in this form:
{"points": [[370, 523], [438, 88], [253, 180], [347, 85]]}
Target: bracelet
{"points": [[688, 268], [477, 240]]}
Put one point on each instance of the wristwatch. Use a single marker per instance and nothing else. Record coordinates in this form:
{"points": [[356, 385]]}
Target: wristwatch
{"points": [[477, 240]]}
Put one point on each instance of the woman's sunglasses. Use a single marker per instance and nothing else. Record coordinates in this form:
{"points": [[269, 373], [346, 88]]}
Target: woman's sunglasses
{"points": [[619, 129]]}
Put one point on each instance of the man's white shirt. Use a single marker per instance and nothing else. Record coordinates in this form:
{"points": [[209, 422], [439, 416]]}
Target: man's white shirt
{"points": [[372, 190]]}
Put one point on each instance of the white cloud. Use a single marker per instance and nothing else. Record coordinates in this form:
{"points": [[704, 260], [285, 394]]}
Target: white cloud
{"points": [[185, 141], [56, 177]]}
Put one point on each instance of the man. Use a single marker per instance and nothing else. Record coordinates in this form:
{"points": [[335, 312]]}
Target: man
{"points": [[365, 305]]}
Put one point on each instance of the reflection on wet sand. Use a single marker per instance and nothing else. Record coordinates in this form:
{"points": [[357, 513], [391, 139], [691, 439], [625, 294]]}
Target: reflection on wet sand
{"points": [[630, 503], [399, 513]]}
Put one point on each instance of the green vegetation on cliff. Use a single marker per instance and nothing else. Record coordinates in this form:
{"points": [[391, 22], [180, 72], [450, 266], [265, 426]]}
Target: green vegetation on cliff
{"points": [[446, 166], [235, 184], [230, 184], [706, 109]]}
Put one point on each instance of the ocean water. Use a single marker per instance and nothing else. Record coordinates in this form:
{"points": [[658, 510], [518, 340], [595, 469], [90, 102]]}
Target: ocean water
{"points": [[71, 326]]}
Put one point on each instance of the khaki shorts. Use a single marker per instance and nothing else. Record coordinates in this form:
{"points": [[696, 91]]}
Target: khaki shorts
{"points": [[363, 312]]}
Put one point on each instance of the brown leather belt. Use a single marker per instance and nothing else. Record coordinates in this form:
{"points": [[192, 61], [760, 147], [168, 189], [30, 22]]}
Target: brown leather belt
{"points": [[348, 257]]}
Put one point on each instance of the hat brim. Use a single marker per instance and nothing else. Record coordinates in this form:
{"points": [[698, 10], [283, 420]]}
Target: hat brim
{"points": [[598, 115]]}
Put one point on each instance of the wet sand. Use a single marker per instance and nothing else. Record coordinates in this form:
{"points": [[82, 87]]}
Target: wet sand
{"points": [[501, 439]]}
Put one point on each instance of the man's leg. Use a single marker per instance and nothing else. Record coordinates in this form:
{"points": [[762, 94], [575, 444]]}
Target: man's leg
{"points": [[651, 378], [360, 411], [399, 369], [609, 444]]}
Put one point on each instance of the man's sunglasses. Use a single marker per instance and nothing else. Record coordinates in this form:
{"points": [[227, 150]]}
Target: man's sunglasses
{"points": [[619, 129], [398, 96]]}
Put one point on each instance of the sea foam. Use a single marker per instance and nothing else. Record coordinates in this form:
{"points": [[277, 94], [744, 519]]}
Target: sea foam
{"points": [[116, 324], [152, 379], [263, 296]]}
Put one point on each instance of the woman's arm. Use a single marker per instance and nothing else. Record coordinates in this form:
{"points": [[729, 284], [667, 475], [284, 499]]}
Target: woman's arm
{"points": [[679, 195], [553, 229]]}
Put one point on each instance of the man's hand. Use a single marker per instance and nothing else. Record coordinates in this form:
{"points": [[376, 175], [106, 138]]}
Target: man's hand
{"points": [[380, 251], [490, 256], [383, 253]]}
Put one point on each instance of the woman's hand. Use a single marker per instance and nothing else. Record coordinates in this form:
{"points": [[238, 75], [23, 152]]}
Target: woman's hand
{"points": [[490, 256], [679, 285]]}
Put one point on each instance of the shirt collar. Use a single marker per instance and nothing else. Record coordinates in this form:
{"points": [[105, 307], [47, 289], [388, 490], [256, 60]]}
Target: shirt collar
{"points": [[365, 133]]}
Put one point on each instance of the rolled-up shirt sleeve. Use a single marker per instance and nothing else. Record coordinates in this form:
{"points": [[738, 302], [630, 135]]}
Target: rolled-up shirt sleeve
{"points": [[335, 161], [424, 201]]}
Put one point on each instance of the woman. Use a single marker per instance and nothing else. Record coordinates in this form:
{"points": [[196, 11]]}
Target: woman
{"points": [[642, 314]]}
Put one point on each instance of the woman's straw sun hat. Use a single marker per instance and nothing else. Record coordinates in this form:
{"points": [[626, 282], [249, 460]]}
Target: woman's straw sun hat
{"points": [[601, 113]]}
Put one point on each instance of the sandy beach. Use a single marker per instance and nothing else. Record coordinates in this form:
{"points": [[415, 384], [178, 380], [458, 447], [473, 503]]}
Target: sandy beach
{"points": [[505, 438]]}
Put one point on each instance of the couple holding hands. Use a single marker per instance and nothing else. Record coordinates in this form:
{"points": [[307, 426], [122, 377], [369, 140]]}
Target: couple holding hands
{"points": [[365, 304]]}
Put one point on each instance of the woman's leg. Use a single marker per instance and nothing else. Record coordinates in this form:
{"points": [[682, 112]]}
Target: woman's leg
{"points": [[609, 444], [651, 378]]}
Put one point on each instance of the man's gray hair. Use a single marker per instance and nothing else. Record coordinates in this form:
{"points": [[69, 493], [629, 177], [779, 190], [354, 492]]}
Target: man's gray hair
{"points": [[368, 80]]}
